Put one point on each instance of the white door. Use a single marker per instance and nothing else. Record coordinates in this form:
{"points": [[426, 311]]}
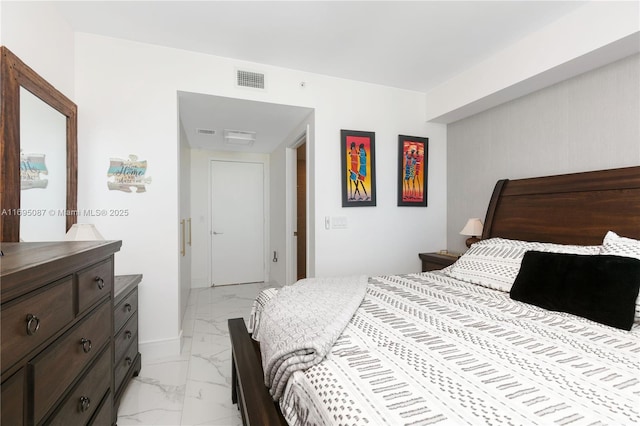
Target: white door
{"points": [[237, 222]]}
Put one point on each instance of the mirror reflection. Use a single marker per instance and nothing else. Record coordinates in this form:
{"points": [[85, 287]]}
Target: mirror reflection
{"points": [[43, 170]]}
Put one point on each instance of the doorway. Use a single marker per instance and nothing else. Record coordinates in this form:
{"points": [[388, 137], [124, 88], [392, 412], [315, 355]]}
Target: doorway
{"points": [[301, 211], [237, 222]]}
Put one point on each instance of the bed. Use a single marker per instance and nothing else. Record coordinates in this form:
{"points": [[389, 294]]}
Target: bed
{"points": [[453, 347]]}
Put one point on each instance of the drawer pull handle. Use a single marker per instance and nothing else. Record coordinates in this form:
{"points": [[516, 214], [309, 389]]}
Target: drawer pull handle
{"points": [[127, 334], [100, 282], [127, 306], [86, 345], [85, 402], [33, 324], [129, 361]]}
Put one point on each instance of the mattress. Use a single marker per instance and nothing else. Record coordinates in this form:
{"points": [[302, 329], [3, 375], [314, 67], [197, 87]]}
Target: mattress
{"points": [[430, 349]]}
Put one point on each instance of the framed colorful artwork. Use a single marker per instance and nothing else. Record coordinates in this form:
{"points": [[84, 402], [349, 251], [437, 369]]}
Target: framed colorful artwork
{"points": [[413, 162], [358, 168]]}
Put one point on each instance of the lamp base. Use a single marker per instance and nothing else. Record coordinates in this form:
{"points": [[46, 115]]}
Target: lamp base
{"points": [[471, 240]]}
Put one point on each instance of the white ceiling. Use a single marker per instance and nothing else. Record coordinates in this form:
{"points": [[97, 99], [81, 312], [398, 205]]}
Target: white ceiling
{"points": [[271, 122], [413, 45]]}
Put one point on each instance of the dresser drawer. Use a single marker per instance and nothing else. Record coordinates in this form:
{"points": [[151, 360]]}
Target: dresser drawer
{"points": [[103, 415], [12, 401], [73, 352], [123, 365], [86, 396], [32, 320], [94, 283], [123, 339], [125, 310]]}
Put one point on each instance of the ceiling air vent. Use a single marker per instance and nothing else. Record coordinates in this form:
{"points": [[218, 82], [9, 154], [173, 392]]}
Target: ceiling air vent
{"points": [[254, 80], [239, 137]]}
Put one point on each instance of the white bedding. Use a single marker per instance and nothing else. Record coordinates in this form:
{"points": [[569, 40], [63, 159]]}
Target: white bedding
{"points": [[301, 323], [429, 349]]}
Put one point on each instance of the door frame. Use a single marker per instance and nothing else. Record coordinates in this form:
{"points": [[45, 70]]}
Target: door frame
{"points": [[291, 208], [242, 158]]}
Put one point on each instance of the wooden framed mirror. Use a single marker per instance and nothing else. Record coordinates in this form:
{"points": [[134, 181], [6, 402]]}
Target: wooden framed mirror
{"points": [[21, 91]]}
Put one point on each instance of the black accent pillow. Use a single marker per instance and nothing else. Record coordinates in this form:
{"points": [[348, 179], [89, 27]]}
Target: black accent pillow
{"points": [[602, 288]]}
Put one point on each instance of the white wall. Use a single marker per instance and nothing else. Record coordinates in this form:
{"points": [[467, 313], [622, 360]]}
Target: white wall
{"points": [[201, 208], [42, 39], [127, 92], [383, 239], [589, 122]]}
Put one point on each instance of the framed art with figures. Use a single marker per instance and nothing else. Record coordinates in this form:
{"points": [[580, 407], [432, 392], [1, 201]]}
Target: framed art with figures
{"points": [[358, 168], [413, 162]]}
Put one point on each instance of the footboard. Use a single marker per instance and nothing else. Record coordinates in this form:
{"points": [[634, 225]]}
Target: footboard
{"points": [[247, 380]]}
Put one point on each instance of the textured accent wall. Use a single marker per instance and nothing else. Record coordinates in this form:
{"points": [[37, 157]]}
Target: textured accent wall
{"points": [[589, 122]]}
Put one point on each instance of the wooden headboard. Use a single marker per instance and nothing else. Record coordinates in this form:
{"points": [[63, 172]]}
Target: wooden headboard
{"points": [[577, 208]]}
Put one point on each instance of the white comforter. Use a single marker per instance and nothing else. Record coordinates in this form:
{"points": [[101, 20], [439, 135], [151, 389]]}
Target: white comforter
{"points": [[300, 324], [428, 349]]}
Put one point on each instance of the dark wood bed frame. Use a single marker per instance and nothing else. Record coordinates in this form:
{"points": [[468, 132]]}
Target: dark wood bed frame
{"points": [[577, 208]]}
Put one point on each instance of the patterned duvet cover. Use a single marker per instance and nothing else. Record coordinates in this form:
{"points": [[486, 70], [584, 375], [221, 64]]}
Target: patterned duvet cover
{"points": [[428, 349]]}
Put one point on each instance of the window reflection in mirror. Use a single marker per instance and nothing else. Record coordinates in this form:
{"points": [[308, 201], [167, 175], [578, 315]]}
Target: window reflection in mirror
{"points": [[43, 170]]}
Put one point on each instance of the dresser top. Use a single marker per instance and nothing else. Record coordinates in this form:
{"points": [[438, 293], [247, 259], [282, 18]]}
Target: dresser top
{"points": [[29, 265], [123, 284]]}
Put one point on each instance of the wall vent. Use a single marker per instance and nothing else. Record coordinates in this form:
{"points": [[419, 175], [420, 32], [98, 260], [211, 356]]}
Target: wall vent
{"points": [[207, 132], [254, 80]]}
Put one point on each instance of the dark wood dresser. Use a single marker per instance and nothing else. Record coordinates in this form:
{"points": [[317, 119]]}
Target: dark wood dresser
{"points": [[127, 359], [57, 333]]}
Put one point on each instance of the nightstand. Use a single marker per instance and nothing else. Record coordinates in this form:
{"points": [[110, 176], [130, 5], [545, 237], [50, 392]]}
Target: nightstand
{"points": [[432, 261]]}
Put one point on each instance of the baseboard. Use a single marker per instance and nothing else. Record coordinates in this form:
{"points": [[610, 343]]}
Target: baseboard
{"points": [[200, 283], [158, 349]]}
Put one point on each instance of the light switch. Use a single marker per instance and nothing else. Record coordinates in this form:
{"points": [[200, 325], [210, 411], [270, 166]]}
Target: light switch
{"points": [[339, 222]]}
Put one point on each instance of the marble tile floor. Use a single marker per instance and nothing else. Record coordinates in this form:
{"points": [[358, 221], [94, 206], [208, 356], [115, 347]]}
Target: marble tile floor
{"points": [[193, 388]]}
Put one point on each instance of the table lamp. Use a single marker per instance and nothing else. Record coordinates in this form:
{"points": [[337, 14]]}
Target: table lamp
{"points": [[83, 232], [473, 229]]}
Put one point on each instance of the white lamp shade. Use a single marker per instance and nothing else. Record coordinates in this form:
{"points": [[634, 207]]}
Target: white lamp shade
{"points": [[83, 232], [472, 228]]}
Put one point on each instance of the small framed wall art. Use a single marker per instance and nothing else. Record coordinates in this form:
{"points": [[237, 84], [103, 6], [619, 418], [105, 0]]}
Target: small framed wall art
{"points": [[413, 162], [127, 175], [358, 168]]}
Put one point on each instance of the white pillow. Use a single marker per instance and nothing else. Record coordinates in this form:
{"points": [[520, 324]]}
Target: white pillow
{"points": [[495, 262], [622, 246]]}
